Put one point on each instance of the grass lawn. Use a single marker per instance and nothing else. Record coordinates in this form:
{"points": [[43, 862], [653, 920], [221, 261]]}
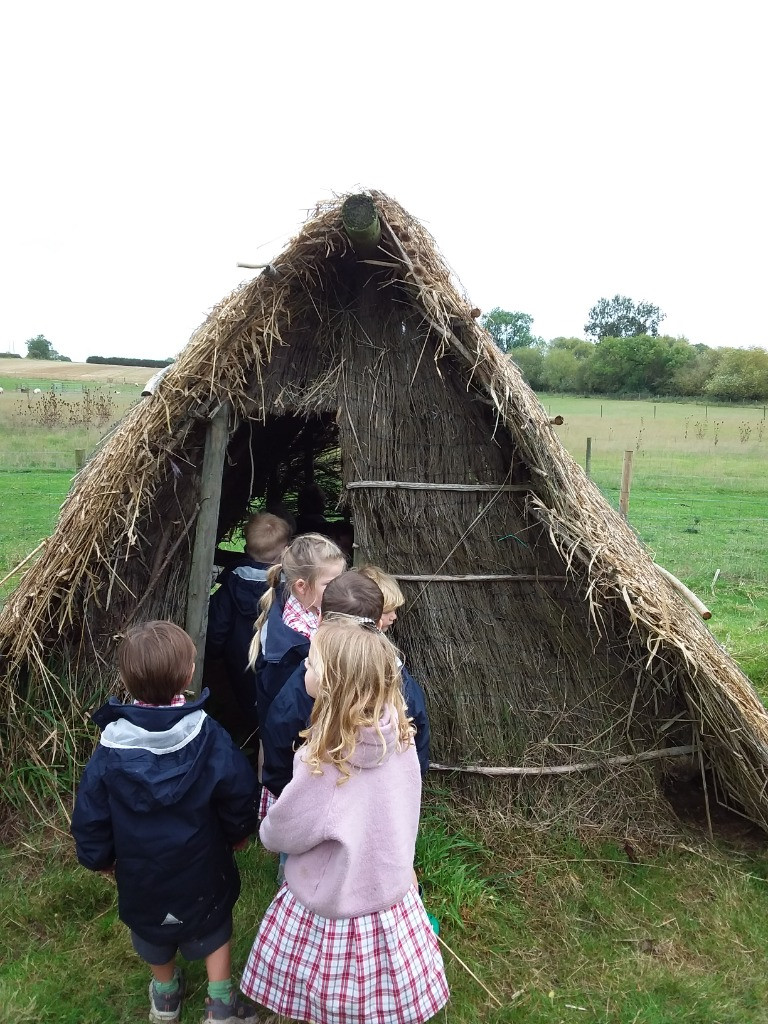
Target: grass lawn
{"points": [[560, 929]]}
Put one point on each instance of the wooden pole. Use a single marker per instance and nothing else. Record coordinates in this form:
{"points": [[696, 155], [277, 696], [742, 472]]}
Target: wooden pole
{"points": [[79, 458], [588, 458], [199, 589], [415, 485], [626, 483], [689, 595]]}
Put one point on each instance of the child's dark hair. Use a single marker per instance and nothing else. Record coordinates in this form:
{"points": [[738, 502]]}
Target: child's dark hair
{"points": [[155, 660], [353, 594]]}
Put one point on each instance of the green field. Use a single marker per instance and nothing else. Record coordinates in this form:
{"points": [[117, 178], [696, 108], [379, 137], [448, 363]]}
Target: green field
{"points": [[560, 929]]}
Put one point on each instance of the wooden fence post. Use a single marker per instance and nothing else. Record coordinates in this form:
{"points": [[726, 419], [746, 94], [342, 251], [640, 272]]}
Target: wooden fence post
{"points": [[199, 588], [626, 483], [79, 459], [588, 459]]}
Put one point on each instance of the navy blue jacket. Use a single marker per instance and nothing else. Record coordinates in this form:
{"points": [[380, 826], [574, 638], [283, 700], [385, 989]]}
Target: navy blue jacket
{"points": [[282, 651], [290, 712], [164, 797], [232, 613]]}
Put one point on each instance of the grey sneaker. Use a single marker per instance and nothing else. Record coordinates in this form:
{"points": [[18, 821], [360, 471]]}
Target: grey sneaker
{"points": [[166, 1009], [238, 1011]]}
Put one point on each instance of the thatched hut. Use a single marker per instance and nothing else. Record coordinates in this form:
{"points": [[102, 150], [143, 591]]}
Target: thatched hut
{"points": [[547, 640]]}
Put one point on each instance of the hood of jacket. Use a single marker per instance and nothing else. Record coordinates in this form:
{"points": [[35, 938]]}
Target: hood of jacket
{"points": [[375, 746], [154, 755], [247, 584]]}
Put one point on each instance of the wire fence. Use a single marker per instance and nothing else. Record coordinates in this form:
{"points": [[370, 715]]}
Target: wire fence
{"points": [[31, 385]]}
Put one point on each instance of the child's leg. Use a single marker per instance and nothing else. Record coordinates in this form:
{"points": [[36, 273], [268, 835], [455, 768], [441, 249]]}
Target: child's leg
{"points": [[164, 972], [218, 964], [224, 1002]]}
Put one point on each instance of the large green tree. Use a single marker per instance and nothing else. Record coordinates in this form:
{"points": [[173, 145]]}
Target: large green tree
{"points": [[620, 317], [41, 348], [510, 329]]}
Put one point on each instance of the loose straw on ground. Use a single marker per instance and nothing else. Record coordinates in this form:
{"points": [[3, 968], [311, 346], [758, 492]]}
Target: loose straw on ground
{"points": [[469, 971]]}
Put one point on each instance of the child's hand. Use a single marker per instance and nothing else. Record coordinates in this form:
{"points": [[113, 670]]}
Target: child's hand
{"points": [[107, 871], [241, 845]]}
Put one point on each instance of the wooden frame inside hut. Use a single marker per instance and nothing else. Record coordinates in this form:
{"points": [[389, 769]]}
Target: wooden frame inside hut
{"points": [[546, 639]]}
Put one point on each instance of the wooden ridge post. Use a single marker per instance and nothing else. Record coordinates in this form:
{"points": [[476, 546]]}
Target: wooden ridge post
{"points": [[199, 588], [361, 222]]}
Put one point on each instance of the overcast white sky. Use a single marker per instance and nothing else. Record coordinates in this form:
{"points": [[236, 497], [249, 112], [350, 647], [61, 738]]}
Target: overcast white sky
{"points": [[557, 151]]}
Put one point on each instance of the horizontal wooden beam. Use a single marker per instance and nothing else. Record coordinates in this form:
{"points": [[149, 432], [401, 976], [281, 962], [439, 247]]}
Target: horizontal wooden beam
{"points": [[565, 769], [413, 485], [488, 578]]}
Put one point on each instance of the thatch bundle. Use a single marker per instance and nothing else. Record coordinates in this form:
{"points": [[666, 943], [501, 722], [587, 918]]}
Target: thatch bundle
{"points": [[540, 628]]}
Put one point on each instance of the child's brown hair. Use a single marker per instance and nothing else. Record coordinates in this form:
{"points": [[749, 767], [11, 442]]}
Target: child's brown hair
{"points": [[266, 537], [353, 593], [155, 661]]}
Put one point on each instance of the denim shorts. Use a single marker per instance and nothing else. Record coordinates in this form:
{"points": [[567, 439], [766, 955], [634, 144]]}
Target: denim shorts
{"points": [[190, 949]]}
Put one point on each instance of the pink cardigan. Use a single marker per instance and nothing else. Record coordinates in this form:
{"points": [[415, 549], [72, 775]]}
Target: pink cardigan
{"points": [[350, 847]]}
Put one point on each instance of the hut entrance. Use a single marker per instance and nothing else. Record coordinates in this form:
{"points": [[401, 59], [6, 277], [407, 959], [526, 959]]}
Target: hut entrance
{"points": [[287, 464]]}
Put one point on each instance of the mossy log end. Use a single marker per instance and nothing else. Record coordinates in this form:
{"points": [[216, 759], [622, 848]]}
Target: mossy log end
{"points": [[361, 222]]}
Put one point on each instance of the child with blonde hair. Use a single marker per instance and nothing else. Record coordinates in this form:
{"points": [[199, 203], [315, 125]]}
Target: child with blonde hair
{"points": [[347, 937], [393, 595], [290, 612]]}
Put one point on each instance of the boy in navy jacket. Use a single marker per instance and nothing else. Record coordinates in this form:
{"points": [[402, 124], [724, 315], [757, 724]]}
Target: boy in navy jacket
{"points": [[163, 803], [234, 608]]}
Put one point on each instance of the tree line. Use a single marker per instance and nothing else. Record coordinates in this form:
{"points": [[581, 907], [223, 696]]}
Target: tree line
{"points": [[623, 354], [40, 347]]}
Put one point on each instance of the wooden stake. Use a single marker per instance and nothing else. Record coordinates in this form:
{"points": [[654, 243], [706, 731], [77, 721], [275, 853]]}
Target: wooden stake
{"points": [[626, 483], [199, 588], [588, 458]]}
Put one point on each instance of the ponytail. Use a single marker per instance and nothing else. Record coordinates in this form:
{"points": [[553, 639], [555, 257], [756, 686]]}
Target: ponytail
{"points": [[265, 603]]}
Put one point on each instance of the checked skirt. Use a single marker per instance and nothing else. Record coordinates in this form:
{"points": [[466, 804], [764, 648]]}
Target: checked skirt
{"points": [[382, 968]]}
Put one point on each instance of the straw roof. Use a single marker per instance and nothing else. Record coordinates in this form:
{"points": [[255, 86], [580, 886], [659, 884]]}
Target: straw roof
{"points": [[573, 649]]}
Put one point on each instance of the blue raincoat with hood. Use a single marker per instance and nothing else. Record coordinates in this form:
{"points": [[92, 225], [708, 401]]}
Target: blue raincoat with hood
{"points": [[163, 799]]}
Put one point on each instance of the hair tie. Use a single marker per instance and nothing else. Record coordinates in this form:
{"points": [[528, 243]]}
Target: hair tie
{"points": [[368, 624]]}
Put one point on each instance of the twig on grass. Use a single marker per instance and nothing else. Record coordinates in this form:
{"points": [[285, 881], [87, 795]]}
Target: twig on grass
{"points": [[472, 973]]}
